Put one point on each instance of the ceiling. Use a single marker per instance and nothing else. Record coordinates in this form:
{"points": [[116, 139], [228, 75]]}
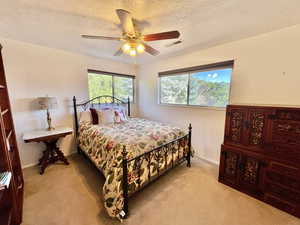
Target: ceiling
{"points": [[202, 23]]}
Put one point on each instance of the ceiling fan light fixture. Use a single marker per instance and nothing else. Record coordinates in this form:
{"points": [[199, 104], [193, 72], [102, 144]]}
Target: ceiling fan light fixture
{"points": [[140, 48], [134, 42], [126, 47], [132, 52]]}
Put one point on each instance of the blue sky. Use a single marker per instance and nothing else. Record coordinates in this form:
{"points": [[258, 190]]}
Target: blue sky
{"points": [[223, 75]]}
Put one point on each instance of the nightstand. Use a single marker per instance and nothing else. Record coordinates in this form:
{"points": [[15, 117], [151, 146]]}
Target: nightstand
{"points": [[52, 153]]}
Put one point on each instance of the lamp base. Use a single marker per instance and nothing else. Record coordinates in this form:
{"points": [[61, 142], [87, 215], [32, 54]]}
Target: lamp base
{"points": [[49, 121]]}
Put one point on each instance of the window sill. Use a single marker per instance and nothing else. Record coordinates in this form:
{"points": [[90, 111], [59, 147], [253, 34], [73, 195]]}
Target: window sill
{"points": [[194, 106]]}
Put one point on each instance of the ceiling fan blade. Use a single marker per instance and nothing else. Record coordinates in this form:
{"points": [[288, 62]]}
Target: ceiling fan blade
{"points": [[162, 36], [101, 37], [150, 50], [126, 21], [119, 52]]}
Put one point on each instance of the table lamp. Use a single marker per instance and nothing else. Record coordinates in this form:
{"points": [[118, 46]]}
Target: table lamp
{"points": [[47, 103]]}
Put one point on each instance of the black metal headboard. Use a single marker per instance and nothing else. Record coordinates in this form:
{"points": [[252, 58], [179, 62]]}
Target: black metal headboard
{"points": [[104, 100]]}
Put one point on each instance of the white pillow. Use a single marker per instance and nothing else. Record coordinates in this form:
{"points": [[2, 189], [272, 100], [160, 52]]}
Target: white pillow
{"points": [[85, 116], [106, 116]]}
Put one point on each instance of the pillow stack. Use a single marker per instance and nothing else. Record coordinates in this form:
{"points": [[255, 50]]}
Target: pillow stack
{"points": [[107, 116]]}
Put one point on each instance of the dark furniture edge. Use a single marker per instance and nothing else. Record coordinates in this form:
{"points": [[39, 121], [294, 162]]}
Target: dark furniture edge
{"points": [[262, 106]]}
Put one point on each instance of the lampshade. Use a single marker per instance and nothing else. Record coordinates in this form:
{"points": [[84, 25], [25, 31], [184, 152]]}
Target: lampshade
{"points": [[47, 102]]}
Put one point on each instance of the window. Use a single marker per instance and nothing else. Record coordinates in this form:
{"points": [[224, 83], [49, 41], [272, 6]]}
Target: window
{"points": [[207, 85], [117, 85], [174, 89]]}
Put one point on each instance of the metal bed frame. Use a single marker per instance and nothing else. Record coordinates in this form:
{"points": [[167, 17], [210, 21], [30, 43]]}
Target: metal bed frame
{"points": [[155, 153]]}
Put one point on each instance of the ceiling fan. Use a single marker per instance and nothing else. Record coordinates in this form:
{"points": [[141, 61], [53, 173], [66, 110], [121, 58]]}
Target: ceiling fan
{"points": [[134, 41]]}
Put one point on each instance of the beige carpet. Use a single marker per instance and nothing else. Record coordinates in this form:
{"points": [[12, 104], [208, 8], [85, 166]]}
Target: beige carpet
{"points": [[71, 195]]}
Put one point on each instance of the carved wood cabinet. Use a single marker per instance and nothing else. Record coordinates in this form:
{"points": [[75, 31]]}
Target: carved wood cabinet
{"points": [[260, 155]]}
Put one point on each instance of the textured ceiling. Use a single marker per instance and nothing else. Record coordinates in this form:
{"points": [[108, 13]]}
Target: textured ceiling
{"points": [[202, 23]]}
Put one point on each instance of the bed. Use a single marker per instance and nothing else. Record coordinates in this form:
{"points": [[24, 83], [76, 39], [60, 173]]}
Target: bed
{"points": [[130, 155]]}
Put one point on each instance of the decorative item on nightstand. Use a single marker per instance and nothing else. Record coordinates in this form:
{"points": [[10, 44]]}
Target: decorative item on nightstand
{"points": [[47, 103]]}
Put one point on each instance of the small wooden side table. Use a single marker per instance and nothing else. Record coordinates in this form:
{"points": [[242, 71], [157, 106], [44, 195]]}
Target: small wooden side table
{"points": [[52, 153]]}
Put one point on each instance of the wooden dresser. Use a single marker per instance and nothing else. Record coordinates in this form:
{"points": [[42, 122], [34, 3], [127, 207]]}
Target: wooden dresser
{"points": [[260, 155], [11, 197]]}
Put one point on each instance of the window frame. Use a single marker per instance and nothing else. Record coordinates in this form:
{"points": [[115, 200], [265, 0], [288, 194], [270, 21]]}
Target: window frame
{"points": [[112, 74], [189, 71]]}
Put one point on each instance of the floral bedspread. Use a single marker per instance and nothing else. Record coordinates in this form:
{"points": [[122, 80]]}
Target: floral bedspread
{"points": [[104, 145]]}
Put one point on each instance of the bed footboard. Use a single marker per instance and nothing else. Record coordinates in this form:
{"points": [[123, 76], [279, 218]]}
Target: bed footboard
{"points": [[160, 155]]}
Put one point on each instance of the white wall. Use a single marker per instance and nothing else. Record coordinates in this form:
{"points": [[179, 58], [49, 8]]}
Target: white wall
{"points": [[266, 71], [33, 71]]}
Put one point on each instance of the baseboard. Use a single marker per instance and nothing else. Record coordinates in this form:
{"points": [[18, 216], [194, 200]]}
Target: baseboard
{"points": [[208, 160], [30, 165], [36, 163]]}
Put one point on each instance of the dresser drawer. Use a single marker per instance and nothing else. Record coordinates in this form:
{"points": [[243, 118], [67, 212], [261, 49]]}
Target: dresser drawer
{"points": [[275, 177], [282, 192], [284, 169], [291, 155], [280, 204], [285, 132]]}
